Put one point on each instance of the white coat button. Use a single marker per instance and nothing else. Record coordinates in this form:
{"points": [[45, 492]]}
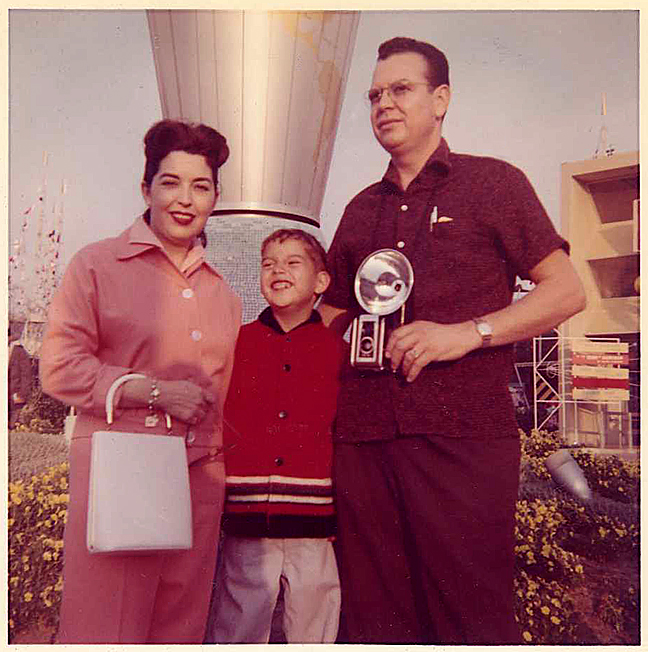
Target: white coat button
{"points": [[187, 293], [400, 244], [196, 336], [404, 207]]}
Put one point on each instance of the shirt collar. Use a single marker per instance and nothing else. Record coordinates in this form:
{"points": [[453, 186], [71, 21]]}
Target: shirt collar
{"points": [[139, 238], [268, 319], [437, 165]]}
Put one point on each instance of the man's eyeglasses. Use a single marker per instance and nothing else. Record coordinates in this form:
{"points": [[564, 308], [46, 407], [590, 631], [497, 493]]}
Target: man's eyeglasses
{"points": [[398, 90]]}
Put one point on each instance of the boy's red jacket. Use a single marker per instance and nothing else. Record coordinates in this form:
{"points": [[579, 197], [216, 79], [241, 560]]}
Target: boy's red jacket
{"points": [[278, 418]]}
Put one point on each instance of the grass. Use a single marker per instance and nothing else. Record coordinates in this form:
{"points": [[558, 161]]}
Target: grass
{"points": [[31, 453], [577, 565]]}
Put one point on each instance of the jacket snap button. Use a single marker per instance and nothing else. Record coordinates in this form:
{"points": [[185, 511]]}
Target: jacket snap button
{"points": [[283, 414], [279, 461]]}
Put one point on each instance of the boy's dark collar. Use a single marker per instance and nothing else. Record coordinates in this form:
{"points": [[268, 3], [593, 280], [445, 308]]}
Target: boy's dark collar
{"points": [[268, 319]]}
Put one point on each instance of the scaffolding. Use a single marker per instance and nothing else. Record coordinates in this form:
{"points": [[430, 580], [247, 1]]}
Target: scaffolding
{"points": [[601, 422]]}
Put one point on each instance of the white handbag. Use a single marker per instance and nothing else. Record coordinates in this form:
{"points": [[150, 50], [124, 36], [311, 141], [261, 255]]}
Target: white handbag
{"points": [[139, 499]]}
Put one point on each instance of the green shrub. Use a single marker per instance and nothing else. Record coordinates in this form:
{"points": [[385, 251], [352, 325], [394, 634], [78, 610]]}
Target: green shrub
{"points": [[607, 475], [610, 476], [37, 514], [568, 552], [544, 611], [42, 413]]}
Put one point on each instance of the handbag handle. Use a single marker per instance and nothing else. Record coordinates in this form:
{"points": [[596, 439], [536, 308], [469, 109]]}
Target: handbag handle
{"points": [[110, 395]]}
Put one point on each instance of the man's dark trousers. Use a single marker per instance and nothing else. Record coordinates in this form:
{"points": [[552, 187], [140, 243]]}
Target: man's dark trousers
{"points": [[426, 539]]}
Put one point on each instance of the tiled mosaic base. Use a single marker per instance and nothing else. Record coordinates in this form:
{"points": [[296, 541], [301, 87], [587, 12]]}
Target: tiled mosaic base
{"points": [[234, 248]]}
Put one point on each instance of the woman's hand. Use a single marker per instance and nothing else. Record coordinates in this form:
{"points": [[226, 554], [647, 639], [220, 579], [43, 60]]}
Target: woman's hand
{"points": [[184, 400], [180, 399]]}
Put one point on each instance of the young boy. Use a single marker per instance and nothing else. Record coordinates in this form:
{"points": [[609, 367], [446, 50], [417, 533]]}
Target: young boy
{"points": [[279, 515]]}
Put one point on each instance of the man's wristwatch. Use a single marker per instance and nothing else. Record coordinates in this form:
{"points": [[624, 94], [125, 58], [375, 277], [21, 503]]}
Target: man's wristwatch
{"points": [[484, 329]]}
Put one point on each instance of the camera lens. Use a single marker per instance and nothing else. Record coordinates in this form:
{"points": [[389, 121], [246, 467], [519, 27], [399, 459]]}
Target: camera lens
{"points": [[366, 345]]}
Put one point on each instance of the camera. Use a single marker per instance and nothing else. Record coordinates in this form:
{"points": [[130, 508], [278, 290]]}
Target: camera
{"points": [[368, 342], [383, 283]]}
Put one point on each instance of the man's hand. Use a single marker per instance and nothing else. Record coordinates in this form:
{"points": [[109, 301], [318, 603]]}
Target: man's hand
{"points": [[558, 295], [417, 344]]}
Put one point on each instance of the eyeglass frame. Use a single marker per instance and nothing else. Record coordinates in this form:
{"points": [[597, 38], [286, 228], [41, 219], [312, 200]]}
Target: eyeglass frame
{"points": [[389, 88]]}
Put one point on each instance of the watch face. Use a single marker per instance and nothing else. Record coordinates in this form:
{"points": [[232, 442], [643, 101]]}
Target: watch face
{"points": [[484, 328]]}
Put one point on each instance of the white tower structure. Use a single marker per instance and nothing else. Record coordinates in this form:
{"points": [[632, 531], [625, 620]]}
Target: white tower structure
{"points": [[272, 83]]}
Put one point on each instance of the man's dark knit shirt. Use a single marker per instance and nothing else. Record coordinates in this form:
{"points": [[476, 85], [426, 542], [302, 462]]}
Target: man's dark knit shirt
{"points": [[468, 225]]}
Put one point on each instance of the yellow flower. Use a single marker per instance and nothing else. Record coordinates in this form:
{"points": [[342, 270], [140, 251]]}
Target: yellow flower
{"points": [[555, 620], [28, 596], [47, 555], [527, 636], [546, 550], [545, 610]]}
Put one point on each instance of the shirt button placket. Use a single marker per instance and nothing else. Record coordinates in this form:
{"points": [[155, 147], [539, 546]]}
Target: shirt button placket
{"points": [[196, 334], [403, 208]]}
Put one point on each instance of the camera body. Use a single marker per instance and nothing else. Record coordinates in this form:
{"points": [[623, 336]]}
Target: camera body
{"points": [[382, 285], [368, 342]]}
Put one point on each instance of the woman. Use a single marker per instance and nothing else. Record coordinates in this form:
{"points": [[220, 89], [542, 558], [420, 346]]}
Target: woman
{"points": [[147, 302]]}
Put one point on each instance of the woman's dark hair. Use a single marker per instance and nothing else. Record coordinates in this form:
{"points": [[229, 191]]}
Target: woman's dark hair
{"points": [[169, 136], [438, 69]]}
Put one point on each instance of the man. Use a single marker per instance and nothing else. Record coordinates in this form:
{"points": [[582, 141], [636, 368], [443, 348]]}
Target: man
{"points": [[426, 458]]}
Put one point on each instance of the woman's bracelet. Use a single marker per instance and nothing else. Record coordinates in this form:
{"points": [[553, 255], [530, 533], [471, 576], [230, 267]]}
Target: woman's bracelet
{"points": [[154, 395]]}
